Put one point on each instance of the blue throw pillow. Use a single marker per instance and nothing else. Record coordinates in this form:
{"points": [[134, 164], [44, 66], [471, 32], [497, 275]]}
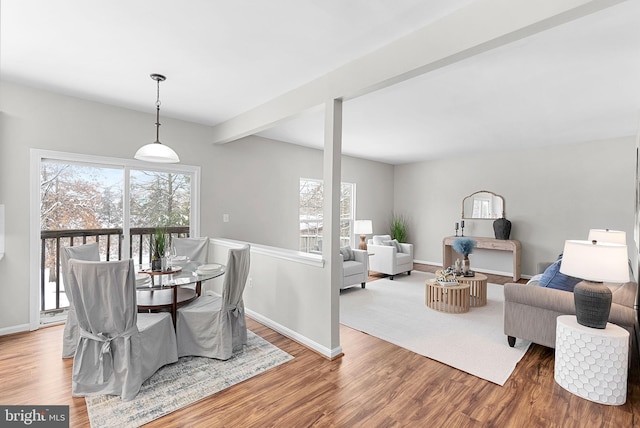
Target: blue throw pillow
{"points": [[553, 278]]}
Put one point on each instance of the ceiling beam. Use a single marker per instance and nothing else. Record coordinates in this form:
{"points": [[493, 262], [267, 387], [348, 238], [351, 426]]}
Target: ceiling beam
{"points": [[477, 28]]}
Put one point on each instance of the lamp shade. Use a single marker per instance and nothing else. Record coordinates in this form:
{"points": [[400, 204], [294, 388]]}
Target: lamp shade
{"points": [[607, 235], [362, 227], [599, 261], [157, 152]]}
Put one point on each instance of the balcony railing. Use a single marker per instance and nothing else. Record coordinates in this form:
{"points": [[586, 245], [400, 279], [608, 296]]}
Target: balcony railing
{"points": [[313, 243], [52, 296]]}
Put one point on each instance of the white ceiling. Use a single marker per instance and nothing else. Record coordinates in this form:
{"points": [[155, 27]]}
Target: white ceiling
{"points": [[577, 82]]}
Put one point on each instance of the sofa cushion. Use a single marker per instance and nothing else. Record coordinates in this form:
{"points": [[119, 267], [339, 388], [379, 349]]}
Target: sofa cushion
{"points": [[352, 268], [553, 278], [379, 239], [347, 253]]}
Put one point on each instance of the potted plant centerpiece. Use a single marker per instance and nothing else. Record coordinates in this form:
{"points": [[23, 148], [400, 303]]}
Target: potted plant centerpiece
{"points": [[158, 247], [465, 246]]}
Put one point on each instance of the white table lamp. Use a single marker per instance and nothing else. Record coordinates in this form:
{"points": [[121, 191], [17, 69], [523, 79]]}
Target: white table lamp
{"points": [[362, 228], [608, 235], [594, 262]]}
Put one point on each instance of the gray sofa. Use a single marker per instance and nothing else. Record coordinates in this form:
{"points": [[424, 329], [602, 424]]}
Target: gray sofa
{"points": [[530, 311]]}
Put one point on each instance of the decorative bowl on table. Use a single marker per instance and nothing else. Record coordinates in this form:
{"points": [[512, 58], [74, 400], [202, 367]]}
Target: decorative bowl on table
{"points": [[208, 269]]}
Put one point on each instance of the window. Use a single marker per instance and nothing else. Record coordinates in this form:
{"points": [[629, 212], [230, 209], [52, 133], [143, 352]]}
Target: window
{"points": [[482, 208], [115, 202], [311, 215]]}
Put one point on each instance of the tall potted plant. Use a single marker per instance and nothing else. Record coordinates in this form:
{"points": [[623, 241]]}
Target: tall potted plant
{"points": [[399, 228], [158, 246]]}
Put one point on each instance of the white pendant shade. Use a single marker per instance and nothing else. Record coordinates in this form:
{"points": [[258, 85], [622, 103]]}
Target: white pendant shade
{"points": [[157, 152], [600, 262]]}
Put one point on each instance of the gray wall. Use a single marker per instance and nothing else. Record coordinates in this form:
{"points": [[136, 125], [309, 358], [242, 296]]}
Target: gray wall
{"points": [[259, 189], [551, 194], [254, 180]]}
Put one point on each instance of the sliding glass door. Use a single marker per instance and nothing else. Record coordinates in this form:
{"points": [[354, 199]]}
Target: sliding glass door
{"points": [[115, 202]]}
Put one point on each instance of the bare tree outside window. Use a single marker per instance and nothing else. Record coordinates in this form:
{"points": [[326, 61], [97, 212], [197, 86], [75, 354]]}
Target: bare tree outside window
{"points": [[160, 199], [311, 215], [79, 197]]}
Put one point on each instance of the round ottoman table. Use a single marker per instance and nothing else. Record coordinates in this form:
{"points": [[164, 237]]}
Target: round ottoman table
{"points": [[449, 298], [477, 288]]}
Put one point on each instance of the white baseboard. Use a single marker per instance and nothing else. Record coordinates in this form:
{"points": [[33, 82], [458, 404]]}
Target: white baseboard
{"points": [[14, 329], [424, 262], [285, 331]]}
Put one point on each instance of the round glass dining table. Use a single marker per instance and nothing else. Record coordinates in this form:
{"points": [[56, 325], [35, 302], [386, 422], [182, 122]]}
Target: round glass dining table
{"points": [[175, 287]]}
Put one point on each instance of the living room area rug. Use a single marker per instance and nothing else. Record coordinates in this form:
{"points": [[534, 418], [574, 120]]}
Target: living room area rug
{"points": [[395, 311], [180, 384]]}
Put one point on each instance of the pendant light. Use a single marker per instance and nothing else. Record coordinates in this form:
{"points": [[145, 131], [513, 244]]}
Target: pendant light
{"points": [[156, 151]]}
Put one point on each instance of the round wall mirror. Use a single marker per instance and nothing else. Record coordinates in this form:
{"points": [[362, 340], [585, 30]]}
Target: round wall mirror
{"points": [[483, 205]]}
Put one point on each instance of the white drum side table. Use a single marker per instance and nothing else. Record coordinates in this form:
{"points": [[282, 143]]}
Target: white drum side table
{"points": [[592, 363]]}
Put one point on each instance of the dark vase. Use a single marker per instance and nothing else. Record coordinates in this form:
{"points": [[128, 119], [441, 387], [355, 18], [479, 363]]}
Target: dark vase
{"points": [[502, 228], [593, 304]]}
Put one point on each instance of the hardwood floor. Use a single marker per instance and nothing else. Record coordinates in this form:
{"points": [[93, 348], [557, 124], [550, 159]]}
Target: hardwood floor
{"points": [[375, 384]]}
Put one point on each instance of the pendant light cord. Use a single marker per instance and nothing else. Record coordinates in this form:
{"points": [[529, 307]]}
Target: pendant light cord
{"points": [[158, 113]]}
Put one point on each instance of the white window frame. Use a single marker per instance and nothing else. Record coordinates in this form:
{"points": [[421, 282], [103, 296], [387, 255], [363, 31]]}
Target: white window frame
{"points": [[37, 156]]}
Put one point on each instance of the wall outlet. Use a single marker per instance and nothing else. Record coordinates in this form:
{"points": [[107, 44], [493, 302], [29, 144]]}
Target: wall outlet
{"points": [[225, 218], [250, 283]]}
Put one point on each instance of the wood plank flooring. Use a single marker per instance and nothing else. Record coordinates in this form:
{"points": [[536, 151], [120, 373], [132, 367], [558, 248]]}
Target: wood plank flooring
{"points": [[375, 384]]}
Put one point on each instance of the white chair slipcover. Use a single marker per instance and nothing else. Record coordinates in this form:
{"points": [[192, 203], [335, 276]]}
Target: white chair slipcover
{"points": [[196, 249], [214, 326], [388, 256], [118, 348], [356, 270], [71, 333]]}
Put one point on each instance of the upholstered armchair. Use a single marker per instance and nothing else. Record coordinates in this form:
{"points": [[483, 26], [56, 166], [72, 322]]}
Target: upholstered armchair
{"points": [[389, 256], [355, 267]]}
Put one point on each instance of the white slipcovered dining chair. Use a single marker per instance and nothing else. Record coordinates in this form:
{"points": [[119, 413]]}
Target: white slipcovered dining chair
{"points": [[118, 348], [197, 252], [71, 333], [214, 326], [196, 249]]}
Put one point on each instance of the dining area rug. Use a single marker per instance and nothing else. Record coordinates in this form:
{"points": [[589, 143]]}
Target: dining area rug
{"points": [[395, 311], [180, 384]]}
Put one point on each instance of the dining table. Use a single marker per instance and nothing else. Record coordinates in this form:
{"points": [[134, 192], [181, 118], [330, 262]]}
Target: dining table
{"points": [[173, 287]]}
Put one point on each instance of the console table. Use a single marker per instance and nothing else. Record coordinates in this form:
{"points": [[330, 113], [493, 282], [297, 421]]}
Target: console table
{"points": [[487, 244]]}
